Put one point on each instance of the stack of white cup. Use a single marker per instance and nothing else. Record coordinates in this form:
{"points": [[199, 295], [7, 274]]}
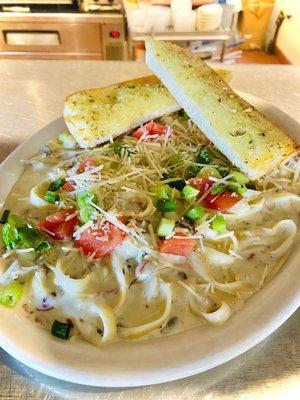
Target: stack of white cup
{"points": [[183, 17], [209, 17]]}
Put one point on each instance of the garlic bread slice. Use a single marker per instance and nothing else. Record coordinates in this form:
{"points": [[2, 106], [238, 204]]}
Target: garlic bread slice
{"points": [[94, 116], [248, 139]]}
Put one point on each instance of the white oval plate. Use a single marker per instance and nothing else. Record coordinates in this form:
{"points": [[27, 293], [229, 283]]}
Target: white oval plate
{"points": [[154, 361]]}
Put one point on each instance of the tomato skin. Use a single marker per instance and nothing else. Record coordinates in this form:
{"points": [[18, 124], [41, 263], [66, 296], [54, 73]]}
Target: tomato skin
{"points": [[158, 129], [86, 164], [152, 128], [69, 186], [221, 202], [100, 240], [56, 226], [176, 246], [202, 184]]}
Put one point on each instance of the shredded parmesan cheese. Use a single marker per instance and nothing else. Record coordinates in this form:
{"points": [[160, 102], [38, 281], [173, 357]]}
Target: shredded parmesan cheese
{"points": [[84, 227], [112, 219]]}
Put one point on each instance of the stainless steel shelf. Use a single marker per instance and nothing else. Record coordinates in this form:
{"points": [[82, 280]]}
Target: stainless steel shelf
{"points": [[223, 35], [182, 36]]}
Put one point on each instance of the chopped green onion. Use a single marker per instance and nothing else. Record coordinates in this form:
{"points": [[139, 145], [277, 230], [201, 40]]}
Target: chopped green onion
{"points": [[4, 216], [10, 236], [175, 159], [218, 189], [61, 330], [16, 220], [86, 213], [163, 192], [166, 205], [236, 187], [251, 186], [239, 177], [172, 215], [223, 172], [30, 237], [117, 147], [192, 171], [179, 184], [57, 184], [51, 197], [10, 296], [209, 171], [86, 198], [183, 114], [242, 189], [66, 140], [43, 246], [18, 230], [189, 192], [195, 213], [165, 227], [204, 156], [166, 175], [218, 224]]}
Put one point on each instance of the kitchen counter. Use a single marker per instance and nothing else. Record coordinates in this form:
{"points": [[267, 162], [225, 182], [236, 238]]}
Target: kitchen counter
{"points": [[32, 95]]}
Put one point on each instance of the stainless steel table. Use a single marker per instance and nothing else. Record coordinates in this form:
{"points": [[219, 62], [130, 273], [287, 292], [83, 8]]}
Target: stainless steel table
{"points": [[32, 95]]}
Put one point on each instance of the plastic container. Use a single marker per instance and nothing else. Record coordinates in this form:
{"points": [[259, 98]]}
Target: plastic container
{"points": [[185, 21], [138, 20], [160, 18], [180, 7]]}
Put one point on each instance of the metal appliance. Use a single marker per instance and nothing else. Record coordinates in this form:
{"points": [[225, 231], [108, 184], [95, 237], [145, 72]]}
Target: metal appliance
{"points": [[95, 34]]}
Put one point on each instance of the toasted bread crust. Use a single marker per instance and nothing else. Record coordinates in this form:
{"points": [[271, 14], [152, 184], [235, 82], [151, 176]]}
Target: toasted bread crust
{"points": [[94, 116], [242, 133]]}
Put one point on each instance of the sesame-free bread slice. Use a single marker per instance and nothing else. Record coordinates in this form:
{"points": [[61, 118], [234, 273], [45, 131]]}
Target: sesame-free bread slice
{"points": [[247, 138], [94, 116]]}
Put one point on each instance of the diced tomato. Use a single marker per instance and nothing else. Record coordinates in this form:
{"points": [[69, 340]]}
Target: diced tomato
{"points": [[86, 164], [202, 184], [57, 226], [176, 246], [69, 186], [152, 128], [221, 202], [158, 129], [100, 240]]}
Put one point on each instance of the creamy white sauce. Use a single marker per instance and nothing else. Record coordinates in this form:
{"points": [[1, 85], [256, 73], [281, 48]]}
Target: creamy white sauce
{"points": [[217, 273]]}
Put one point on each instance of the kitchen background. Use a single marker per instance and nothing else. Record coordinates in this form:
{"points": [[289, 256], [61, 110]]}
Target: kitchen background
{"points": [[229, 31]]}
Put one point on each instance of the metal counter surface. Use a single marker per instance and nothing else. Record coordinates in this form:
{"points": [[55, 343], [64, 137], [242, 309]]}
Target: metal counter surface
{"points": [[32, 95]]}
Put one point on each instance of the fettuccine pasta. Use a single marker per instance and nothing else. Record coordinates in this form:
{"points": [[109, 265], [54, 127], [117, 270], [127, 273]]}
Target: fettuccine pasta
{"points": [[148, 235]]}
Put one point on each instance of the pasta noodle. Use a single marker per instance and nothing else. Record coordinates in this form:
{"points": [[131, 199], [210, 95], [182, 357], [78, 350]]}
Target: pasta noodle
{"points": [[107, 243]]}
